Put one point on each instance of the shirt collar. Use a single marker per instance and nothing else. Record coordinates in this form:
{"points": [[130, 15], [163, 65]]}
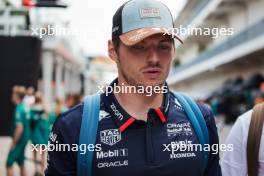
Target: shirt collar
{"points": [[122, 119]]}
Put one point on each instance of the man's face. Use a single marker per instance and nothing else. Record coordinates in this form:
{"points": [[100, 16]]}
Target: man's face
{"points": [[15, 98], [30, 91], [146, 63]]}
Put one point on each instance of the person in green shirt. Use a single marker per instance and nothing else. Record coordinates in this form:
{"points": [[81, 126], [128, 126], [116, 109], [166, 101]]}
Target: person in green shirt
{"points": [[21, 133], [39, 130]]}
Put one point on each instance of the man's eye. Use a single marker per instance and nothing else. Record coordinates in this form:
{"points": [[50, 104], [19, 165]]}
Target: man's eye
{"points": [[164, 47], [138, 47]]}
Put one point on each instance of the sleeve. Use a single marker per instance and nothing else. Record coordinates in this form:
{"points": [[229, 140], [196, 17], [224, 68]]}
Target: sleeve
{"points": [[59, 160], [234, 162], [18, 116], [213, 166]]}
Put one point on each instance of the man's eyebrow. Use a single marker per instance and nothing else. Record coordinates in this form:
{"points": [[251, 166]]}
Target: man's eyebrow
{"points": [[142, 42], [165, 40]]}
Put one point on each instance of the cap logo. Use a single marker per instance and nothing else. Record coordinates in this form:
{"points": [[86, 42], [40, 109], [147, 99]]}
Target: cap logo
{"points": [[150, 12], [138, 36]]}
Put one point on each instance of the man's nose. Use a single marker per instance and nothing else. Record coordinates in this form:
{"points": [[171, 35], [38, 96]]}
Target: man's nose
{"points": [[153, 56]]}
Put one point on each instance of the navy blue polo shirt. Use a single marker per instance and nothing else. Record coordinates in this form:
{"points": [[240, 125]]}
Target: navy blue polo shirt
{"points": [[134, 147]]}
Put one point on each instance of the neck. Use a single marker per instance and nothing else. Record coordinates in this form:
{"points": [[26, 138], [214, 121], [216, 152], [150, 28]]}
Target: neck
{"points": [[137, 104]]}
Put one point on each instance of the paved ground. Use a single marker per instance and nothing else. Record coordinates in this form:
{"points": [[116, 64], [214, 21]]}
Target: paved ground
{"points": [[5, 143]]}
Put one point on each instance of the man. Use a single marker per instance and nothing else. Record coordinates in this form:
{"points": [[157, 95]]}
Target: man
{"points": [[246, 138], [29, 98], [136, 130], [20, 134]]}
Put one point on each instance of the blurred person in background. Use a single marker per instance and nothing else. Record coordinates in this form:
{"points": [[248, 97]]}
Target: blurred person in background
{"points": [[29, 98], [237, 96], [247, 138], [259, 97], [72, 100], [21, 132], [39, 130], [58, 109]]}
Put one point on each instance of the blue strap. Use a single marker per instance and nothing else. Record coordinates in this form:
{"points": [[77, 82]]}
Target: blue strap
{"points": [[88, 133], [201, 121], [197, 120], [90, 123]]}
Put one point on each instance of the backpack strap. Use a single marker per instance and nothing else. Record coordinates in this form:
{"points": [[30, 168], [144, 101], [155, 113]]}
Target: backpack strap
{"points": [[88, 133], [197, 120], [254, 139], [90, 123]]}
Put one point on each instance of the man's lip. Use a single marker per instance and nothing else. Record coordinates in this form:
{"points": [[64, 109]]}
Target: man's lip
{"points": [[152, 70]]}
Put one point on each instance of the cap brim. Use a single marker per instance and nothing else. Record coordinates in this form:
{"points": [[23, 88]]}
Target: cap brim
{"points": [[135, 36]]}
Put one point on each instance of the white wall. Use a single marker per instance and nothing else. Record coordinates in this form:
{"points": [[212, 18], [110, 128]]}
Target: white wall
{"points": [[238, 21], [255, 11], [207, 82], [191, 51]]}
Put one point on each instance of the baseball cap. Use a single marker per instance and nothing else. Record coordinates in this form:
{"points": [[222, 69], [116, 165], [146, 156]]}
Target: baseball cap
{"points": [[138, 19]]}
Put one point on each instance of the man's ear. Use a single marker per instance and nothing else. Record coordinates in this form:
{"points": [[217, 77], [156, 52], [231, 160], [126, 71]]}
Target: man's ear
{"points": [[111, 51]]}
